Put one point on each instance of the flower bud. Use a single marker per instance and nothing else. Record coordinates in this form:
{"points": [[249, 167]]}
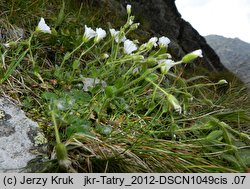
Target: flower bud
{"points": [[136, 71], [192, 56], [164, 56], [134, 26], [10, 44], [175, 103], [137, 57], [151, 60], [128, 9], [152, 43], [104, 56], [223, 81]]}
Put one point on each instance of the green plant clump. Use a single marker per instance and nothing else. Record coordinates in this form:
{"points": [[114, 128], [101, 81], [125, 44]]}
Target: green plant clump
{"points": [[107, 103]]}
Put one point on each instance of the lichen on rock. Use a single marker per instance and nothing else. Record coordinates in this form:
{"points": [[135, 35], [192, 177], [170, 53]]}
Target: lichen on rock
{"points": [[15, 143]]}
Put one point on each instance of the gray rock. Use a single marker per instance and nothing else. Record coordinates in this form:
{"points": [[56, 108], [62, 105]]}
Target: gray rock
{"points": [[234, 54], [15, 143], [10, 34]]}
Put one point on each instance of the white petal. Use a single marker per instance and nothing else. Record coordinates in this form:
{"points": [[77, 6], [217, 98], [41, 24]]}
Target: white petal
{"points": [[131, 22], [113, 32], [164, 41], [42, 26], [153, 41], [197, 53], [100, 34], [129, 46], [89, 33], [167, 64]]}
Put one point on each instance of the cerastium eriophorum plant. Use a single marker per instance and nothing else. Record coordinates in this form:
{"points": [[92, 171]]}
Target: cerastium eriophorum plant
{"points": [[103, 82]]}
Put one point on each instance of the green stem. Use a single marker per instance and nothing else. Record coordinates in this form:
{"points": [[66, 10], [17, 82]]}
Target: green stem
{"points": [[30, 51], [143, 76], [158, 87], [58, 141], [84, 52], [67, 56]]}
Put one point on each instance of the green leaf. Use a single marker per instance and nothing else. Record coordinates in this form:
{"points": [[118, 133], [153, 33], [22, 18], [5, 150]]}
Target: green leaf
{"points": [[119, 83], [66, 56], [110, 91], [76, 64], [152, 77], [61, 15], [78, 126], [104, 129], [215, 135], [49, 96]]}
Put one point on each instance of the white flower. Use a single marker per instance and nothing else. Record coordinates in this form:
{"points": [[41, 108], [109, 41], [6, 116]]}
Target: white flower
{"points": [[116, 34], [152, 42], [164, 41], [113, 32], [100, 34], [129, 46], [88, 34], [43, 27], [167, 64], [192, 56], [128, 9]]}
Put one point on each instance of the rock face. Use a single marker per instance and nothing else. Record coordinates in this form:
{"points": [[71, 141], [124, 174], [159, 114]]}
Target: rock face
{"points": [[164, 19], [15, 144], [234, 54], [9, 32]]}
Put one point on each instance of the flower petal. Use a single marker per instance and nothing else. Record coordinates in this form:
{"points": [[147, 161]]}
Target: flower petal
{"points": [[43, 27], [88, 34], [164, 41], [129, 46], [100, 34]]}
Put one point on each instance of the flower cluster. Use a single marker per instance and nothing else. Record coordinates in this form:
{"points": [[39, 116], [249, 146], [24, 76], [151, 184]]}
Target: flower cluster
{"points": [[140, 53], [89, 33]]}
